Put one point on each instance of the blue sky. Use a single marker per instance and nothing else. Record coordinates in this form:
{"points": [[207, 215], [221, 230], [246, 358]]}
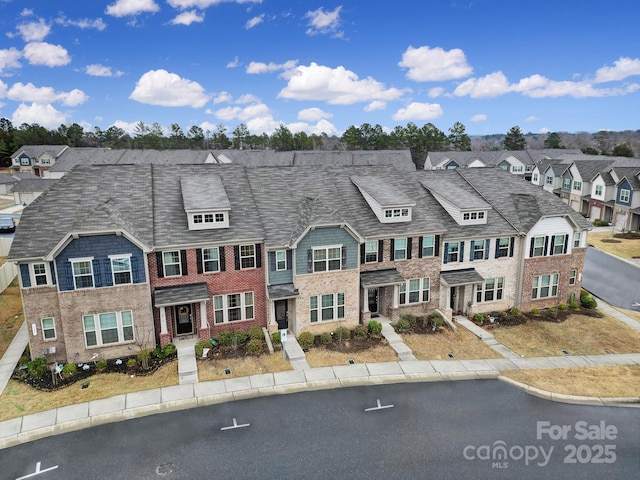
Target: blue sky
{"points": [[321, 66]]}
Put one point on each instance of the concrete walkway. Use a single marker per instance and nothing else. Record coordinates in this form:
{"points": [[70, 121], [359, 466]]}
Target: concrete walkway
{"points": [[12, 355], [488, 338], [187, 365], [295, 354]]}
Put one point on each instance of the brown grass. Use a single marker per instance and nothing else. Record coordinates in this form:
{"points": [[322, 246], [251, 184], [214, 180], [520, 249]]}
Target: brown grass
{"points": [[626, 248], [321, 357], [11, 317], [579, 335], [586, 381], [20, 399], [629, 313], [241, 367], [463, 344]]}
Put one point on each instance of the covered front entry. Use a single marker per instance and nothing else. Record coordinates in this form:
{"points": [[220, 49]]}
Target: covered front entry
{"points": [[380, 293], [461, 289], [184, 320], [373, 300], [283, 306], [182, 311]]}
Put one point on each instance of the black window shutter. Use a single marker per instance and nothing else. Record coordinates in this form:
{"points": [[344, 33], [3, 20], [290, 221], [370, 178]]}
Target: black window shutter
{"points": [[461, 251], [272, 261], [409, 242], [107, 279], [310, 260], [533, 242], [258, 255], [160, 264], [437, 252], [497, 248], [486, 248], [380, 250], [183, 262], [362, 253], [344, 257], [134, 270], [97, 278], [513, 240], [289, 259], [392, 253], [236, 254], [446, 252], [472, 255], [223, 265], [420, 240], [52, 266], [566, 243], [199, 260]]}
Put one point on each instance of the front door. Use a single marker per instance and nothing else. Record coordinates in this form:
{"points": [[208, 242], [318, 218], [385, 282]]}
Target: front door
{"points": [[184, 324], [373, 300], [281, 307]]}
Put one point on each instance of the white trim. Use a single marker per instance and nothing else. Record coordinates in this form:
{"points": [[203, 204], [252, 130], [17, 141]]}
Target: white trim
{"points": [[242, 306], [98, 329], [55, 335], [113, 272], [47, 273]]}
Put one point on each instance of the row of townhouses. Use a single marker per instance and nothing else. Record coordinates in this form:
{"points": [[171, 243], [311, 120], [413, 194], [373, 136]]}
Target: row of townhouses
{"points": [[117, 254]]}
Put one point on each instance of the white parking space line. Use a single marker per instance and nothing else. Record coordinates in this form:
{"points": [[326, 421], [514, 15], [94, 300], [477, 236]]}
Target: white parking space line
{"points": [[235, 425], [379, 407], [38, 471]]}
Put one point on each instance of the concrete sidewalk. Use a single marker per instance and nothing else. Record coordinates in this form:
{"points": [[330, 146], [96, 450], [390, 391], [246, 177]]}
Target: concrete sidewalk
{"points": [[11, 357]]}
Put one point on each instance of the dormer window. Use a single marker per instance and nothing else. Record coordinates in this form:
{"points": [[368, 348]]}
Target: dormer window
{"points": [[473, 216], [205, 202], [385, 200], [396, 212]]}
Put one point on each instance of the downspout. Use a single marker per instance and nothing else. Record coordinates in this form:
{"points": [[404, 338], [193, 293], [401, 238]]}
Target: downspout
{"points": [[520, 270]]}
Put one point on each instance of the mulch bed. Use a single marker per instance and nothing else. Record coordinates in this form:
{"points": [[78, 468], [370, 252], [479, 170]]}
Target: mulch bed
{"points": [[351, 345], [545, 315]]}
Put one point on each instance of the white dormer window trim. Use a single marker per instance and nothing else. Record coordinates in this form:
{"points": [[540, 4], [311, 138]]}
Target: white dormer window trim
{"points": [[82, 270], [208, 220], [478, 216], [396, 212], [40, 274]]}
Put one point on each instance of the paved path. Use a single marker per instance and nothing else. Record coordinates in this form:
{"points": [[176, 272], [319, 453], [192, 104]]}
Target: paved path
{"points": [[12, 355]]}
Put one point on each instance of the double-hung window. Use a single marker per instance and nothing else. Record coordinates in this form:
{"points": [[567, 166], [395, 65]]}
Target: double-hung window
{"points": [[415, 290], [478, 250], [566, 183], [577, 186], [121, 269], [327, 258], [326, 307], [82, 273], [400, 249], [558, 244], [107, 328], [371, 252], [599, 190], [428, 246], [503, 247], [489, 290], [548, 180], [281, 260], [625, 195], [453, 249], [171, 262], [538, 247], [576, 239], [210, 259], [247, 256], [233, 307], [48, 328], [40, 274], [572, 277], [545, 286]]}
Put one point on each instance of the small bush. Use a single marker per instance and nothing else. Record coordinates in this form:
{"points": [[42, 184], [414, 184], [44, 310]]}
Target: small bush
{"points": [[535, 311], [132, 362], [169, 350], [515, 311], [255, 345], [240, 337], [37, 367], [305, 339], [200, 346], [503, 314], [256, 333], [359, 331], [574, 305], [275, 338], [101, 364], [412, 319], [402, 325], [224, 338], [69, 369], [562, 306], [157, 353], [374, 327], [478, 318], [342, 333], [326, 338], [144, 356], [587, 301]]}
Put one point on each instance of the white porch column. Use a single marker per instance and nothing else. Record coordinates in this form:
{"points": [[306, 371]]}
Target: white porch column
{"points": [[396, 296], [203, 315], [366, 300], [163, 321]]}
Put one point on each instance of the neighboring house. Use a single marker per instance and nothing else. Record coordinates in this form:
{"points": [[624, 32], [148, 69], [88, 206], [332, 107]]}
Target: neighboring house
{"points": [[139, 255], [27, 190], [550, 177], [36, 159], [627, 200], [6, 183], [603, 197]]}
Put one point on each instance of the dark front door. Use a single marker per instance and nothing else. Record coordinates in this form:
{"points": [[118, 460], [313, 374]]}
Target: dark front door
{"points": [[281, 307], [184, 320], [373, 300], [454, 298]]}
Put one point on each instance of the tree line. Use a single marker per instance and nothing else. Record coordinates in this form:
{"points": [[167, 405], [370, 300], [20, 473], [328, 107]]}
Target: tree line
{"points": [[419, 140]]}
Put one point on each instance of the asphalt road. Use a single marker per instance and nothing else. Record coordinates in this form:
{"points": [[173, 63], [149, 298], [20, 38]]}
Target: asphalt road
{"points": [[443, 430], [615, 281]]}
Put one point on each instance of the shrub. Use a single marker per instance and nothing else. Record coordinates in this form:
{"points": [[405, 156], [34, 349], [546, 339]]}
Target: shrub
{"points": [[101, 364], [587, 301], [562, 306], [326, 338], [436, 320], [37, 367], [224, 338], [275, 338], [144, 356], [478, 318], [305, 339], [342, 333], [69, 369], [256, 333], [515, 311], [132, 362], [359, 331], [503, 314], [157, 353], [374, 327], [254, 346], [200, 346], [409, 317], [574, 305], [402, 325], [240, 336], [535, 311], [169, 350], [24, 360]]}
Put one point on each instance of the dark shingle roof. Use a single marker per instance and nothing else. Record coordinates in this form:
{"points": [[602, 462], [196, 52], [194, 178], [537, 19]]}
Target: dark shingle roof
{"points": [[33, 185]]}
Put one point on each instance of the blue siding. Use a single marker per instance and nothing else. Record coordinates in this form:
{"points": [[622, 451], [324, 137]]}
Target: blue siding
{"points": [[624, 185], [326, 236], [279, 277], [24, 274], [99, 247]]}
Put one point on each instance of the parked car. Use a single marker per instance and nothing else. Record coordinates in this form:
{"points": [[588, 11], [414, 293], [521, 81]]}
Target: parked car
{"points": [[7, 224]]}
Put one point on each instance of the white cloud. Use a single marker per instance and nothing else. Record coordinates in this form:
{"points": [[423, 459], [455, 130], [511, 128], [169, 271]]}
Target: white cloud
{"points": [[82, 23], [323, 126], [532, 118], [3, 90], [375, 105], [187, 18], [427, 64], [544, 130], [260, 67], [222, 97], [159, 87], [418, 111], [123, 8], [622, 68], [34, 31], [324, 22], [480, 117], [9, 58], [252, 22], [234, 63], [126, 126], [247, 98], [313, 114], [21, 92], [42, 53], [243, 114], [202, 4], [265, 124], [489, 86], [98, 70], [337, 86], [44, 115], [435, 92], [26, 12]]}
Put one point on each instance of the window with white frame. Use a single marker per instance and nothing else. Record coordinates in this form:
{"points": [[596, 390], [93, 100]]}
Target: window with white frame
{"points": [[210, 260], [327, 258], [538, 247], [197, 218], [516, 168], [233, 307], [396, 212], [247, 256], [326, 307], [473, 216], [545, 286], [281, 260], [452, 251], [576, 239], [558, 244], [171, 263], [548, 180], [577, 186], [371, 252], [108, 328], [566, 183], [25, 161], [478, 250], [82, 273], [121, 269], [428, 246], [48, 328], [415, 290], [400, 249], [572, 277], [625, 195], [218, 217], [504, 245], [40, 276], [535, 177], [599, 190], [490, 290]]}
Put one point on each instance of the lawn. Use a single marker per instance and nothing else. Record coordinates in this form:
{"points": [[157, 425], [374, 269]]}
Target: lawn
{"points": [[241, 367], [622, 247], [579, 335], [463, 345], [10, 314], [321, 357]]}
